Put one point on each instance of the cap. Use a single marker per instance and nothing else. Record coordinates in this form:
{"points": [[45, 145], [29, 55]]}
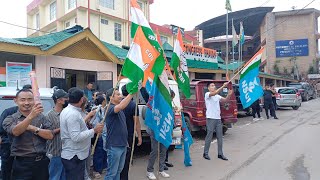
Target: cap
{"points": [[60, 93]]}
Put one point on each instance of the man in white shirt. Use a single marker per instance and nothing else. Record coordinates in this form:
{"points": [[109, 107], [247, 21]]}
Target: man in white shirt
{"points": [[214, 124], [75, 136]]}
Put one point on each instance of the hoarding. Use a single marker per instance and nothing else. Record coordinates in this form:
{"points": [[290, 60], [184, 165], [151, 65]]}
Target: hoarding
{"points": [[291, 48], [17, 74], [198, 53]]}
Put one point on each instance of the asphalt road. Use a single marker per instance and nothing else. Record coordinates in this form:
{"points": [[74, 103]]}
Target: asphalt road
{"points": [[287, 148]]}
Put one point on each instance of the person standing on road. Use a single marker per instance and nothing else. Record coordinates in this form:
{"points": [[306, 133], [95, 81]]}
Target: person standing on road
{"points": [[214, 124], [256, 110], [56, 169], [131, 118], [274, 98], [29, 129], [117, 133], [268, 102], [75, 136]]}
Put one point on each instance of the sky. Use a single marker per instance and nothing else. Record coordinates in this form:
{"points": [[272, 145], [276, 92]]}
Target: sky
{"points": [[183, 13]]}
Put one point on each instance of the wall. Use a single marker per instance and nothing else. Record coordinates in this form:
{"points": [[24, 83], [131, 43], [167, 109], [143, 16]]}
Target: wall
{"points": [[44, 63]]}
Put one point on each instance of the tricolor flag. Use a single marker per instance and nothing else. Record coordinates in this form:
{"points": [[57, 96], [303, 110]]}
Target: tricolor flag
{"points": [[138, 19], [179, 66], [234, 36], [250, 88], [138, 60], [242, 38]]}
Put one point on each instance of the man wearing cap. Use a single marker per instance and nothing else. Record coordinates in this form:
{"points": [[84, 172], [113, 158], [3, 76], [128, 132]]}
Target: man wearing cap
{"points": [[56, 169], [29, 129]]}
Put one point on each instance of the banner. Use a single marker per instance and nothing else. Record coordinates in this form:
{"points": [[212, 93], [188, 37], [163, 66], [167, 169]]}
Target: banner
{"points": [[17, 74]]}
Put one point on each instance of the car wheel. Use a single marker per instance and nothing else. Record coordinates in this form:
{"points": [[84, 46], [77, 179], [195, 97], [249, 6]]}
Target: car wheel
{"points": [[249, 112], [295, 107], [224, 129]]}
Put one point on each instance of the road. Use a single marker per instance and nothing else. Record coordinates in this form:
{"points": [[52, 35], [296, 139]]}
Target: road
{"points": [[282, 149]]}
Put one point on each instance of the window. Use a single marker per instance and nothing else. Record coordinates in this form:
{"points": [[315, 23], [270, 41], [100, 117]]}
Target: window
{"points": [[53, 10], [67, 24], [117, 32], [71, 4], [37, 21], [104, 21], [163, 39], [107, 3]]}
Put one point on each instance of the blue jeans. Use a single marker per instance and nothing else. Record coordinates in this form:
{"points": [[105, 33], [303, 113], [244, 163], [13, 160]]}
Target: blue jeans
{"points": [[56, 169], [116, 157], [99, 157]]}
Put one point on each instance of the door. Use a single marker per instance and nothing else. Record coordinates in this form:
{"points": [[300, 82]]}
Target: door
{"points": [[104, 81], [58, 78]]}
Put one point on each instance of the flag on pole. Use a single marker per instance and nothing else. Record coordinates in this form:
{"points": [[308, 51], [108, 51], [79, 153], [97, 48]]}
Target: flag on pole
{"points": [[159, 113], [187, 142], [241, 34], [138, 61], [234, 36], [179, 66], [228, 5], [250, 88], [138, 19]]}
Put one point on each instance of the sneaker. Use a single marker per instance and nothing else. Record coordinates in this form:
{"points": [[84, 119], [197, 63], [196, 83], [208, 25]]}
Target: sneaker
{"points": [[151, 176], [261, 118], [256, 119], [164, 174]]}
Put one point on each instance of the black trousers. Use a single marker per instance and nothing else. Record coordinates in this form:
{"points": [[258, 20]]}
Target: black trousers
{"points": [[124, 175], [6, 162], [269, 106], [256, 110], [30, 168], [74, 168]]}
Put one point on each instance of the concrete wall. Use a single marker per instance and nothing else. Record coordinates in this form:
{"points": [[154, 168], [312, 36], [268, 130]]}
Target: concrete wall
{"points": [[44, 63]]}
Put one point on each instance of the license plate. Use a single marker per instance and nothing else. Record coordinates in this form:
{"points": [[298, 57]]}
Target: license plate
{"points": [[176, 141]]}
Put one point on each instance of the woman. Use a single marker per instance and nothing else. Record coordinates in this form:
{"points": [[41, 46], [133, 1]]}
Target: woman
{"points": [[100, 155]]}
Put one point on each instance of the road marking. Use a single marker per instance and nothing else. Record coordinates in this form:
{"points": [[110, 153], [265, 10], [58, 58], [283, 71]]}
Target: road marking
{"points": [[214, 141]]}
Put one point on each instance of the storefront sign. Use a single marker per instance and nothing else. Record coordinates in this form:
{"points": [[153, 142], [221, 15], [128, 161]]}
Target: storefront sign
{"points": [[18, 73], [291, 48], [314, 76], [198, 53]]}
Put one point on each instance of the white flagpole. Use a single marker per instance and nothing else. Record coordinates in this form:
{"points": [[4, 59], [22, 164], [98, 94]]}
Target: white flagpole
{"points": [[227, 47], [232, 46]]}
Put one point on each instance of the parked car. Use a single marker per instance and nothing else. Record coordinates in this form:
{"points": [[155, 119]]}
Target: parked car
{"points": [[7, 95], [194, 108], [305, 89], [177, 132], [248, 110], [288, 97]]}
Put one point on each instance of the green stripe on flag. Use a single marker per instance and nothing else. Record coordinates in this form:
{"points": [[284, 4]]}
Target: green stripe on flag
{"points": [[134, 73], [253, 66], [164, 91]]}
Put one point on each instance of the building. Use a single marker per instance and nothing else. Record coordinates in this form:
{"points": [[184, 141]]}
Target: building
{"points": [[290, 39]]}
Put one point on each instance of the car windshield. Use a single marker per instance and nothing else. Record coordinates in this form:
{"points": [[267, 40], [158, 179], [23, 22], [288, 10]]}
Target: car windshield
{"points": [[222, 93], [7, 103], [298, 86], [287, 91]]}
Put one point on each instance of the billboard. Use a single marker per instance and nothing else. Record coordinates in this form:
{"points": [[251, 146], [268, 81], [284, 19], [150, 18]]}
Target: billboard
{"points": [[198, 53], [17, 74], [291, 48]]}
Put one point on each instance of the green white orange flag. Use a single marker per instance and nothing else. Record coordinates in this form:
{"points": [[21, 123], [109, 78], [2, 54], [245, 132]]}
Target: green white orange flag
{"points": [[138, 19], [140, 58], [179, 66]]}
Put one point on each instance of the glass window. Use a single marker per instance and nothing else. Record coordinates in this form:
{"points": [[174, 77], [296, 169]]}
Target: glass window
{"points": [[67, 24], [104, 21], [71, 4], [117, 31], [53, 10], [222, 93], [107, 3], [37, 21], [287, 91]]}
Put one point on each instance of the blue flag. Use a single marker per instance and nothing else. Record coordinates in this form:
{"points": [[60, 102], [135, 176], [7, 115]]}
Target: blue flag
{"points": [[187, 142], [249, 86], [159, 114]]}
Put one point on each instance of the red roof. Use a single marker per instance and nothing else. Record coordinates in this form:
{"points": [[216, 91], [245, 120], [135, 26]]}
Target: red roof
{"points": [[166, 30]]}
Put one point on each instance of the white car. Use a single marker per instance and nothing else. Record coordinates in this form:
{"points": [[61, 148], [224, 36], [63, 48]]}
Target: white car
{"points": [[177, 132]]}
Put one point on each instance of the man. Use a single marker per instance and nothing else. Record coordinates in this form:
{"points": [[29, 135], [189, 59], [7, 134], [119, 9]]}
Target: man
{"points": [[5, 148], [131, 118], [117, 134], [56, 169], [29, 130], [268, 102], [75, 136], [88, 91], [274, 99], [214, 124]]}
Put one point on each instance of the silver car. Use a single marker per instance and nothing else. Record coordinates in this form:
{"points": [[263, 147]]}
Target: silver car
{"points": [[288, 97]]}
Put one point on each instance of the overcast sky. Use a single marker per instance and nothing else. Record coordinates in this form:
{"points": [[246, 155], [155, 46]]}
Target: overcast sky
{"points": [[184, 13]]}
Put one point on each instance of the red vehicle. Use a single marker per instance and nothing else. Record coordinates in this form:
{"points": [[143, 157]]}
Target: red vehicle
{"points": [[194, 108]]}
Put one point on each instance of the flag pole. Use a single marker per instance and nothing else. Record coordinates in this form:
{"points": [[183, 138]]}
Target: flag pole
{"points": [[232, 48], [227, 46], [135, 130]]}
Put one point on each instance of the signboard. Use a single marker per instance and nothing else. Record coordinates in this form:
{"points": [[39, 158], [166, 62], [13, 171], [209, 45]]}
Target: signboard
{"points": [[314, 76], [18, 73], [291, 48], [175, 30], [198, 53]]}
